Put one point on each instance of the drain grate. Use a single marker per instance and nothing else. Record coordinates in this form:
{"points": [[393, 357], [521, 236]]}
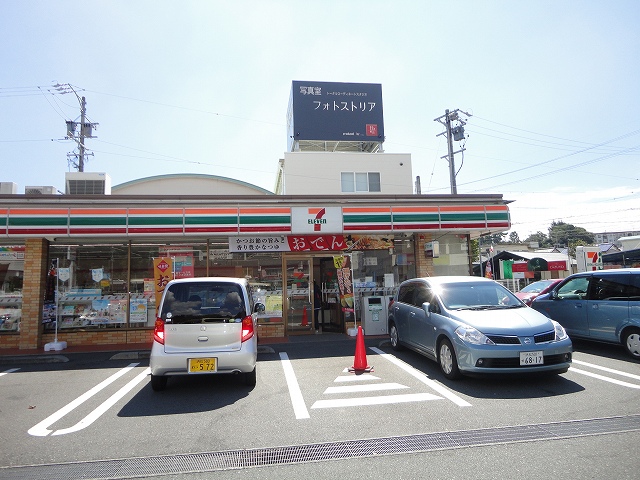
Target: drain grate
{"points": [[261, 457]]}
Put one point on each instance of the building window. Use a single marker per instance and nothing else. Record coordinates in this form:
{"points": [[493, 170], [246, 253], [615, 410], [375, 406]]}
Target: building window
{"points": [[360, 182]]}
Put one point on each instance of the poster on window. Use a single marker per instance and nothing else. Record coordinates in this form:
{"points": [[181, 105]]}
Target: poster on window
{"points": [[182, 255], [138, 310], [117, 311]]}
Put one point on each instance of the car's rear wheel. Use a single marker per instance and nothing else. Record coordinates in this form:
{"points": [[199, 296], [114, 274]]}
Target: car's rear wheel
{"points": [[250, 378], [631, 342], [447, 360], [393, 336], [158, 383]]}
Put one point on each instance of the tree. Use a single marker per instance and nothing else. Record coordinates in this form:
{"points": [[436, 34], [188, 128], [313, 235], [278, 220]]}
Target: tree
{"points": [[514, 238], [540, 238], [561, 233]]}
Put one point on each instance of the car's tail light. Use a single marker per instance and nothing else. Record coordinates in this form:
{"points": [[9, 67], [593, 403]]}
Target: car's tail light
{"points": [[158, 331], [247, 328]]}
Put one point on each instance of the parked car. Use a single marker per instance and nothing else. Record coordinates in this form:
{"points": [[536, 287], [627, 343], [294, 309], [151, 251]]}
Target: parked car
{"points": [[602, 305], [205, 326], [473, 325], [531, 291]]}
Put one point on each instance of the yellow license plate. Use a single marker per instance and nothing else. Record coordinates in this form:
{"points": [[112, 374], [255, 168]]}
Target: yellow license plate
{"points": [[202, 365]]}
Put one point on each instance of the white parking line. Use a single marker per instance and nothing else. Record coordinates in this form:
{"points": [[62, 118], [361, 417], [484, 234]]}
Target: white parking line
{"points": [[299, 407], [356, 378], [423, 378], [382, 400], [371, 387], [106, 405], [41, 430], [609, 370], [602, 377], [11, 370]]}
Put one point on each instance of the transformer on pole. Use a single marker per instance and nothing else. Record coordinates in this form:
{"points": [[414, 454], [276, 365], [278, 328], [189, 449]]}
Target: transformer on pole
{"points": [[453, 133], [73, 133]]}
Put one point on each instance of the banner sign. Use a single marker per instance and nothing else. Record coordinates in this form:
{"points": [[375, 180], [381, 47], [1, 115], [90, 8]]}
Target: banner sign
{"points": [[310, 243], [345, 281], [162, 274]]}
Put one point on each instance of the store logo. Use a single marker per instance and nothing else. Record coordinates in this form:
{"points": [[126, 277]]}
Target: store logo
{"points": [[163, 266], [318, 220], [372, 130]]}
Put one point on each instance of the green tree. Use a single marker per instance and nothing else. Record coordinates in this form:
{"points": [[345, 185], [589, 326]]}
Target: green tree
{"points": [[514, 237], [561, 233], [540, 238], [475, 250]]}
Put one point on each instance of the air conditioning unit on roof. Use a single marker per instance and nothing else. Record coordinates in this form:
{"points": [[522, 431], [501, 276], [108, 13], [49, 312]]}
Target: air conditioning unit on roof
{"points": [[8, 188], [48, 190], [87, 183]]}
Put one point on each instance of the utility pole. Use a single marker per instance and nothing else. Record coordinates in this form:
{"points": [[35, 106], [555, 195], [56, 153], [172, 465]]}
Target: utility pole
{"points": [[452, 133], [86, 128]]}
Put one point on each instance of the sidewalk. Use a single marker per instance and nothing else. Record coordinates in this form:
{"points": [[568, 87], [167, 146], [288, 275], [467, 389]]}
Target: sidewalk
{"points": [[142, 350]]}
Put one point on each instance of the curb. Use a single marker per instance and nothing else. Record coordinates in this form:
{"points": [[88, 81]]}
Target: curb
{"points": [[12, 360]]}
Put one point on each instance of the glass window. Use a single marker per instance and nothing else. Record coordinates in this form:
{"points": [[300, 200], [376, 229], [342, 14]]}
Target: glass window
{"points": [[347, 182], [423, 294], [360, 182], [453, 258], [634, 288], [574, 289], [374, 181], [405, 295], [11, 277], [609, 287]]}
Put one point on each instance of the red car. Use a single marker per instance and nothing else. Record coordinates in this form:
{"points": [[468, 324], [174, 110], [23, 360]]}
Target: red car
{"points": [[531, 291]]}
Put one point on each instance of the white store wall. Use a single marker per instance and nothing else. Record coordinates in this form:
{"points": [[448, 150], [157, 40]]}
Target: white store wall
{"points": [[308, 173]]}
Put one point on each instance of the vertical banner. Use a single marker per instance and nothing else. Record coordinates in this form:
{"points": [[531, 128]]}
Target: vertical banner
{"points": [[487, 270], [345, 281], [162, 274]]}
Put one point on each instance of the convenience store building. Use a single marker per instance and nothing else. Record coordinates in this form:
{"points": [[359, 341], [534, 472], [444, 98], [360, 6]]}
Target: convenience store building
{"points": [[91, 261]]}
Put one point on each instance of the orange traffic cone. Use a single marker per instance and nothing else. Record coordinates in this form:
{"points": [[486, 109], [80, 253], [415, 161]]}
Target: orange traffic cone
{"points": [[360, 361], [305, 320]]}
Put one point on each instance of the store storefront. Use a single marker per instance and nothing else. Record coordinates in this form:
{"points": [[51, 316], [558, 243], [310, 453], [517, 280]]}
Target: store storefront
{"points": [[91, 267]]}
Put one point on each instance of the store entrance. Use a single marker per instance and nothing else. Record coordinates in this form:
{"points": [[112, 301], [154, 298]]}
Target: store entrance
{"points": [[312, 299]]}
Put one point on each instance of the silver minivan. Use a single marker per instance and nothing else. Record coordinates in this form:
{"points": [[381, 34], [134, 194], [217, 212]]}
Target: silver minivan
{"points": [[602, 305], [205, 326]]}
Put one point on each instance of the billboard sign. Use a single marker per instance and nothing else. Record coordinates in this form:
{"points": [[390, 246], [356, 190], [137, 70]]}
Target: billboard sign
{"points": [[330, 111]]}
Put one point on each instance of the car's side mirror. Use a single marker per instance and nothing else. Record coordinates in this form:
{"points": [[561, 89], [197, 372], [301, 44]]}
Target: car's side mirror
{"points": [[259, 308], [428, 308]]}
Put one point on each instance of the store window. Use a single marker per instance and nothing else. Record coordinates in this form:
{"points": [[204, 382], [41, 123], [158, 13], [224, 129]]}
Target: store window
{"points": [[453, 258], [263, 270], [360, 182], [11, 277], [112, 285]]}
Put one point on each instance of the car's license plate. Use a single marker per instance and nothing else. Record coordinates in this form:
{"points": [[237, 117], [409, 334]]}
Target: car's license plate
{"points": [[201, 365], [531, 358]]}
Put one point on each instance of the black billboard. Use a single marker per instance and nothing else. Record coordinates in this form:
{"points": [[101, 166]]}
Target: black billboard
{"points": [[329, 111]]}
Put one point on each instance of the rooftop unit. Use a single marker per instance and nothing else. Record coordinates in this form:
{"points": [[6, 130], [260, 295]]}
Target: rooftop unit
{"points": [[40, 190], [87, 183], [8, 188]]}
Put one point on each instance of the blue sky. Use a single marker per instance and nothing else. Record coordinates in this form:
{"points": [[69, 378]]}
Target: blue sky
{"points": [[203, 87]]}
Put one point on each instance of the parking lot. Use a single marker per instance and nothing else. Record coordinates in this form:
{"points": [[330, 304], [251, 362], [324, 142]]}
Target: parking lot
{"points": [[101, 407]]}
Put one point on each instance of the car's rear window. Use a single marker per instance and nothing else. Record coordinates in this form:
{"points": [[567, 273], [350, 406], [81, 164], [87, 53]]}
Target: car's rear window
{"points": [[197, 302]]}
